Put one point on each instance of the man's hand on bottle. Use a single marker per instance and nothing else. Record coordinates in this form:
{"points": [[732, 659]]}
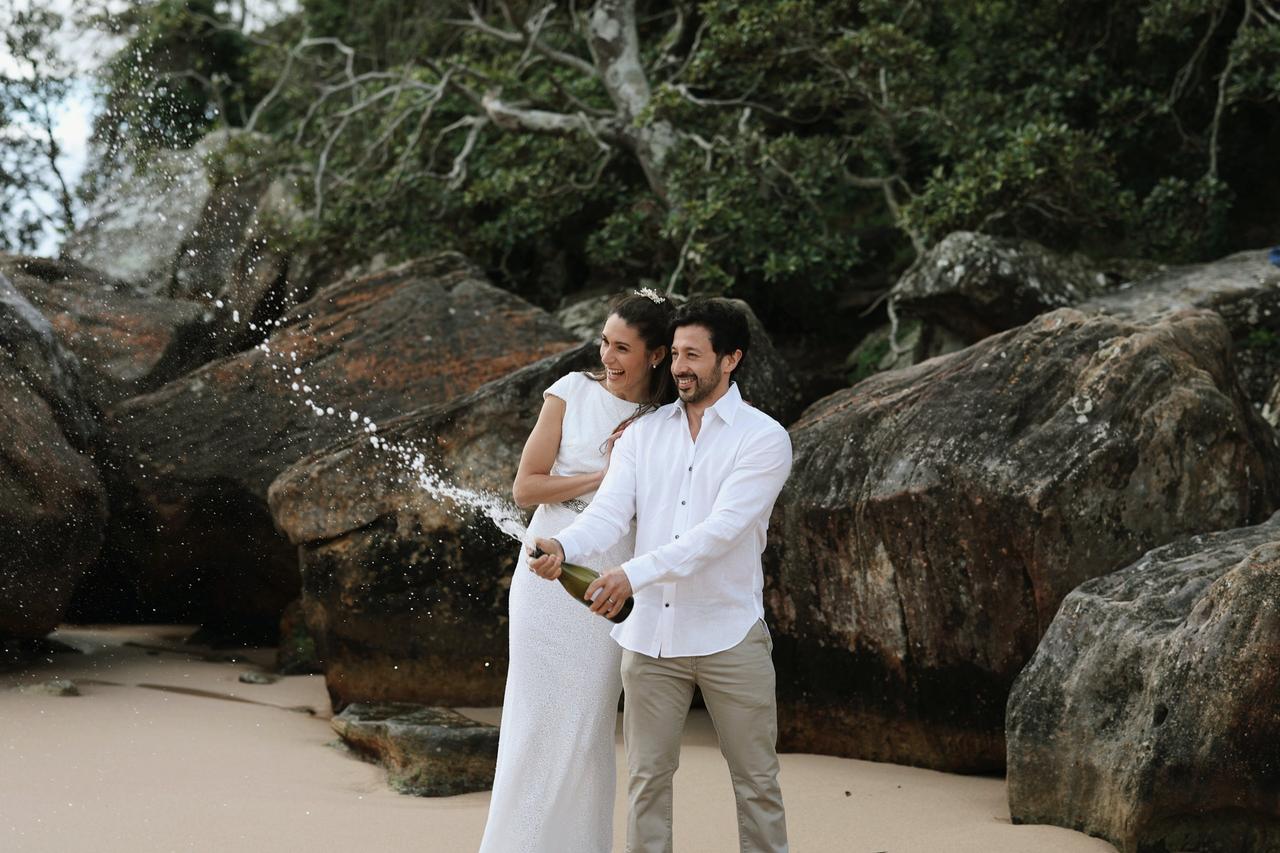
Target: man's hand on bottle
{"points": [[548, 565], [615, 589]]}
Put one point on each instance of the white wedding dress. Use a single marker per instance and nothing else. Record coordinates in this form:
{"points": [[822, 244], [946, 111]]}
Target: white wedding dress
{"points": [[554, 788]]}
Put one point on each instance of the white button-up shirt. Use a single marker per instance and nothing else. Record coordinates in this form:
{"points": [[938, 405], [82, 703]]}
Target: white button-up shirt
{"points": [[701, 509]]}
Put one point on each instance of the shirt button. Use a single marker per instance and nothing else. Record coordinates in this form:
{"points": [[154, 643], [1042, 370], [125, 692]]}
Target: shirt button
{"points": [[666, 605], [681, 503], [677, 535], [690, 467]]}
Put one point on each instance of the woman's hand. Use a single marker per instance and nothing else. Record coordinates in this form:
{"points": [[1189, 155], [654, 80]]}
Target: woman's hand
{"points": [[608, 449]]}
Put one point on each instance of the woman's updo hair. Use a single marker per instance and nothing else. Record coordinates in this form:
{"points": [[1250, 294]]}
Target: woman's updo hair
{"points": [[650, 315]]}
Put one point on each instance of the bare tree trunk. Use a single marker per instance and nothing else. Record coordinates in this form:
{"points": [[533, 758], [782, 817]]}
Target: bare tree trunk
{"points": [[615, 49]]}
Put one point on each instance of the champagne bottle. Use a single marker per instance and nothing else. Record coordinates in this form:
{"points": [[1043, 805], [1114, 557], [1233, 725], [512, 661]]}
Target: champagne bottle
{"points": [[576, 579]]}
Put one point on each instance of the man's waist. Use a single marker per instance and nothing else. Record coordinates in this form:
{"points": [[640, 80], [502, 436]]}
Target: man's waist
{"points": [[688, 594], [698, 635]]}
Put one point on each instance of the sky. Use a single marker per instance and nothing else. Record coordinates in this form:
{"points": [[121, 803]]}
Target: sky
{"points": [[73, 118], [86, 52]]}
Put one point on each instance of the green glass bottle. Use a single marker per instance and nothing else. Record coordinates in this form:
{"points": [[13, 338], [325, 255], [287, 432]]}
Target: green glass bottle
{"points": [[577, 578]]}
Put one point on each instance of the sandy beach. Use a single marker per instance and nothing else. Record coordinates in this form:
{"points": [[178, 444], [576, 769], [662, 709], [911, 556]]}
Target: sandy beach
{"points": [[167, 750]]}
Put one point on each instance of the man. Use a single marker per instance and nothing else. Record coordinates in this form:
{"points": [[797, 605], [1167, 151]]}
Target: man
{"points": [[700, 477]]}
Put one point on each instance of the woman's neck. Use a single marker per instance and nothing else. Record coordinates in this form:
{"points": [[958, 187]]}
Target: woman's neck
{"points": [[639, 397]]}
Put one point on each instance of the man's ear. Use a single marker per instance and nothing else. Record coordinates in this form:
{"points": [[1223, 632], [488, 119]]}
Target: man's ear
{"points": [[730, 361]]}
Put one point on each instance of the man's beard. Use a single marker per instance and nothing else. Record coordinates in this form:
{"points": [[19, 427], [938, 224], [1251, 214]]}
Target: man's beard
{"points": [[702, 388]]}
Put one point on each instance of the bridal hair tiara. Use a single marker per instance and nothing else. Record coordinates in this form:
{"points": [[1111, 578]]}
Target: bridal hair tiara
{"points": [[650, 293]]}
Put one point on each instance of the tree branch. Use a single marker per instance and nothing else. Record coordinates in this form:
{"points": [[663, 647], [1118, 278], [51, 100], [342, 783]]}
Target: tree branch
{"points": [[458, 173], [615, 44], [684, 251], [693, 51], [886, 186], [510, 117], [530, 38], [52, 151], [1187, 71], [1223, 80]]}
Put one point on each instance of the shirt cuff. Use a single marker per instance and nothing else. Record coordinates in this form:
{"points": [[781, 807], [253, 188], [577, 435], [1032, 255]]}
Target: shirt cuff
{"points": [[641, 571], [567, 545]]}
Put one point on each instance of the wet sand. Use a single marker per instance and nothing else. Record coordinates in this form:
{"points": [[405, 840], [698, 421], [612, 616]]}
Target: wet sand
{"points": [[166, 750]]}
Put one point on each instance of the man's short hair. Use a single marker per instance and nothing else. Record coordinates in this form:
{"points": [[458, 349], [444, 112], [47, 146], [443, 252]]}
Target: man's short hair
{"points": [[726, 322]]}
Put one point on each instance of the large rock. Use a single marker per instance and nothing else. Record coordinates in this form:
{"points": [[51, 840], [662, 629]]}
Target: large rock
{"points": [[972, 285], [428, 752], [1150, 713], [404, 584], [766, 381], [34, 352], [52, 503], [1243, 288], [126, 343], [976, 285], [937, 515], [192, 461]]}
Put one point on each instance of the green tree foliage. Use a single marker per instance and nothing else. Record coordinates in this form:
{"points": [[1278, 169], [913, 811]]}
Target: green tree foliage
{"points": [[35, 199], [182, 72], [1126, 127], [788, 151]]}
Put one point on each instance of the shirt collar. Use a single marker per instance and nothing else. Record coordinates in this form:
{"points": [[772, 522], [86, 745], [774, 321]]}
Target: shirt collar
{"points": [[726, 407]]}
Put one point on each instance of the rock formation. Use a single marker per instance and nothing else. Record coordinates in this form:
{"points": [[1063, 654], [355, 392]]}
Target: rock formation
{"points": [[126, 343], [428, 752], [937, 515], [976, 285], [1243, 288], [405, 588], [1150, 713], [191, 461], [52, 502]]}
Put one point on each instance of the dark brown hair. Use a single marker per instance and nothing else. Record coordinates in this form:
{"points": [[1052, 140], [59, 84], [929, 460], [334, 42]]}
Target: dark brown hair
{"points": [[651, 319], [723, 320]]}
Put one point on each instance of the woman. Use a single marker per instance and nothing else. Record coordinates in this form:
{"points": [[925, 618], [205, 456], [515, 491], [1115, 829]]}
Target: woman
{"points": [[553, 792]]}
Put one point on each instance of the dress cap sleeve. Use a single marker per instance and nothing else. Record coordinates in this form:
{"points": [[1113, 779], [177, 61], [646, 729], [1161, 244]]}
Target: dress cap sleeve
{"points": [[563, 387]]}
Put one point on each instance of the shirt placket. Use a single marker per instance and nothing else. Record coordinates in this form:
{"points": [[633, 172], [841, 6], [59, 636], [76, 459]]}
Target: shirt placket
{"points": [[679, 524]]}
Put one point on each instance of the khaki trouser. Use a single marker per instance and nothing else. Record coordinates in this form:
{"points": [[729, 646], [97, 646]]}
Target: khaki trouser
{"points": [[738, 686]]}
